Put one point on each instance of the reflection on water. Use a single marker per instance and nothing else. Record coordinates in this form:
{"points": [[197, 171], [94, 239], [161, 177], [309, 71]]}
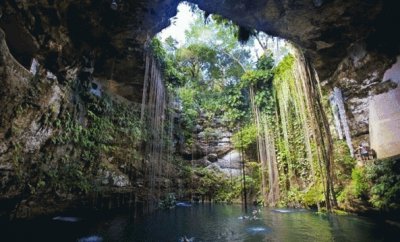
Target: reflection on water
{"points": [[67, 219], [282, 210], [183, 204], [285, 210], [93, 238], [206, 223], [257, 230]]}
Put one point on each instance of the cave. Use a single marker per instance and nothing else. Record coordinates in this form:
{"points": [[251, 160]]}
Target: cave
{"points": [[80, 83], [332, 34]]}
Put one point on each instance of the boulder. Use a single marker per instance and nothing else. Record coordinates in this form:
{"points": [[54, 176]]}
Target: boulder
{"points": [[214, 167], [212, 157], [109, 175], [199, 128]]}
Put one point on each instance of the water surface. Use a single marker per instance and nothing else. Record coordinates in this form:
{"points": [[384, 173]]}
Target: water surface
{"points": [[208, 222]]}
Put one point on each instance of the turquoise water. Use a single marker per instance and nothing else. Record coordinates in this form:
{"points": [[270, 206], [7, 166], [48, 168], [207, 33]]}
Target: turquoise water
{"points": [[226, 223], [208, 222]]}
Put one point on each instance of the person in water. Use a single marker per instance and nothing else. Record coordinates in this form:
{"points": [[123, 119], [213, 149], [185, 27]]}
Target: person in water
{"points": [[255, 212]]}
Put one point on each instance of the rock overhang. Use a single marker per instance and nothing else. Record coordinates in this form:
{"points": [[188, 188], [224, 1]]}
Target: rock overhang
{"points": [[59, 33]]}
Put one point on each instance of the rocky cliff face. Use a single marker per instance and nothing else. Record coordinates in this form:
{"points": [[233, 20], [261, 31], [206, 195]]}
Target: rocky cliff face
{"points": [[350, 43], [211, 139], [212, 146], [68, 144], [384, 116], [360, 76], [66, 34]]}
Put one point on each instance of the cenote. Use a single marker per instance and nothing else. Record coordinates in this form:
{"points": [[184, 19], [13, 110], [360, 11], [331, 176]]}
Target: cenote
{"points": [[204, 222], [199, 120]]}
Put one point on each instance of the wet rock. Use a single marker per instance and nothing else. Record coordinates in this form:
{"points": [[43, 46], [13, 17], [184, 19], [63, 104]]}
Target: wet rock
{"points": [[230, 160], [359, 76], [384, 87], [224, 141], [121, 180], [217, 122], [3, 147], [212, 157], [6, 167], [199, 128], [36, 137], [226, 134], [201, 135], [111, 176], [222, 150], [359, 118], [214, 167]]}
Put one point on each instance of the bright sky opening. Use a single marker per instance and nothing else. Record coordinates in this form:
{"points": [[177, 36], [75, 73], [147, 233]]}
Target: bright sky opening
{"points": [[179, 24]]}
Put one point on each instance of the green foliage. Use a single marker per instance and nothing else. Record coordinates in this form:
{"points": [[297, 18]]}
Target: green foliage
{"points": [[108, 123], [69, 177], [299, 178], [285, 67], [209, 184], [167, 59], [261, 81], [253, 184], [168, 202], [112, 129], [188, 97], [313, 196], [360, 183], [356, 191], [204, 69], [343, 164], [158, 50], [246, 137], [231, 191], [377, 183], [291, 199], [384, 176], [17, 159], [236, 102], [256, 78], [265, 63]]}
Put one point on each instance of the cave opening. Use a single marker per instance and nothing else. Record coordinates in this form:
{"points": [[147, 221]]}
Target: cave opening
{"points": [[208, 59], [239, 92]]}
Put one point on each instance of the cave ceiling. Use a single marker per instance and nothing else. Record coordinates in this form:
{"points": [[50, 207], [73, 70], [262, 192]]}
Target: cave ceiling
{"points": [[62, 33]]}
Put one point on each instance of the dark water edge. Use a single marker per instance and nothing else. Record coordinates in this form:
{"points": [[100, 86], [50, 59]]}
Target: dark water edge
{"points": [[207, 222]]}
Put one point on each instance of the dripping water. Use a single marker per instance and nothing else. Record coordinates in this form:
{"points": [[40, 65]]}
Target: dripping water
{"points": [[153, 113]]}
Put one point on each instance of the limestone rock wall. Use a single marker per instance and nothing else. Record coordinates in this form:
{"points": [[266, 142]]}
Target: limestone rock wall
{"points": [[361, 78], [61, 33], [384, 117], [60, 148]]}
